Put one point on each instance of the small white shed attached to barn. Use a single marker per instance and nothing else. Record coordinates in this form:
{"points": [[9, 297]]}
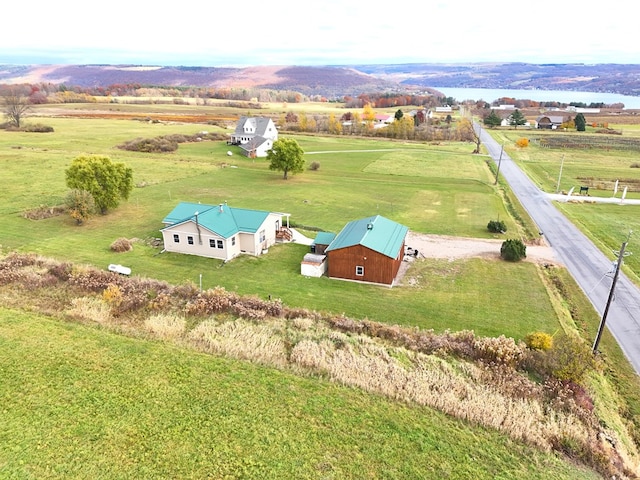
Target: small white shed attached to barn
{"points": [[313, 265]]}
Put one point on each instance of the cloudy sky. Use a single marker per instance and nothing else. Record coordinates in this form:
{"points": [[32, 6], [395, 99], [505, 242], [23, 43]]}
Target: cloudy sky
{"points": [[324, 32]]}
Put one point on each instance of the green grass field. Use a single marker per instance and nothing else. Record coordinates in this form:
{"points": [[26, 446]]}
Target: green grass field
{"points": [[82, 403], [103, 406]]}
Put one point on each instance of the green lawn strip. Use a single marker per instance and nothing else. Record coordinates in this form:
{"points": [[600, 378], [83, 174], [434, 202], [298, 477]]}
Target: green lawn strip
{"points": [[79, 402], [608, 226], [489, 297]]}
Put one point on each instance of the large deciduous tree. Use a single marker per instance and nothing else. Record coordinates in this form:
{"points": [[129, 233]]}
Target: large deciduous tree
{"points": [[15, 107], [287, 156], [106, 181]]}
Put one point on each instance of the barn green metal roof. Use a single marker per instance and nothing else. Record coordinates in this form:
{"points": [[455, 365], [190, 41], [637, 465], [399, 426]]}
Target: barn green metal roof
{"points": [[377, 233], [221, 219]]}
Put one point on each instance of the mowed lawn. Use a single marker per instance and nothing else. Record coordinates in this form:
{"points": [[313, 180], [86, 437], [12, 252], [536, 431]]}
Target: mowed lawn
{"points": [[79, 402], [440, 189]]}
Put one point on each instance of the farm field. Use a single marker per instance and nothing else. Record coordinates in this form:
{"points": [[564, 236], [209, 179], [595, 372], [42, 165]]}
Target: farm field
{"points": [[440, 189], [608, 225]]}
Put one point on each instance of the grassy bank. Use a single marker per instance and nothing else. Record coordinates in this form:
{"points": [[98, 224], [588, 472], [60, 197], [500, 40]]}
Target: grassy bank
{"points": [[102, 406]]}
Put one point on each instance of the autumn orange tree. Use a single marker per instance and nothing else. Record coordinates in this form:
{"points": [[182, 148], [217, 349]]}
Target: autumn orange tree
{"points": [[335, 127], [368, 115]]}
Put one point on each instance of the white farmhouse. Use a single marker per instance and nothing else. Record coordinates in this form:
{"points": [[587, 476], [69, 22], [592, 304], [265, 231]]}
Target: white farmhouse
{"points": [[255, 136]]}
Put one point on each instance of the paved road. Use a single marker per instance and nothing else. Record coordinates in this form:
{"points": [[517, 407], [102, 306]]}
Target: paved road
{"points": [[586, 263]]}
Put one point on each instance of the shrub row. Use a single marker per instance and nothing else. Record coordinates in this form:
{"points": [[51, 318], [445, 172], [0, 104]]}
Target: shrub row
{"points": [[167, 143]]}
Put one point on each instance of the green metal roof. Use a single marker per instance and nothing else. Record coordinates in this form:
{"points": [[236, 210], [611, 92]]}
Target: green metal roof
{"points": [[324, 238], [377, 233], [221, 219]]}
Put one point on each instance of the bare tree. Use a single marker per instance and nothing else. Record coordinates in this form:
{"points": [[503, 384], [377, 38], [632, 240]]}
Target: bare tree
{"points": [[15, 107], [468, 133]]}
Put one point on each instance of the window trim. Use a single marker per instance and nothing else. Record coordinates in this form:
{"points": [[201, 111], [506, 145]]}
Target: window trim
{"points": [[359, 270]]}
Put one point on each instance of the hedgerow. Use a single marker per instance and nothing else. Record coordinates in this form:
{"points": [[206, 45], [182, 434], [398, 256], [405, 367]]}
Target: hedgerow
{"points": [[167, 143]]}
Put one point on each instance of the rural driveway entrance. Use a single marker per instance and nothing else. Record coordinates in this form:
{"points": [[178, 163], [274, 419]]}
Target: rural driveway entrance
{"points": [[586, 263]]}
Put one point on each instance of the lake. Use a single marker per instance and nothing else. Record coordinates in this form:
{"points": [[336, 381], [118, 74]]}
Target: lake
{"points": [[568, 96]]}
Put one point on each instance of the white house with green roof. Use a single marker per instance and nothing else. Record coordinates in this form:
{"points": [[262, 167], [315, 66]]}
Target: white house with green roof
{"points": [[367, 250], [220, 231]]}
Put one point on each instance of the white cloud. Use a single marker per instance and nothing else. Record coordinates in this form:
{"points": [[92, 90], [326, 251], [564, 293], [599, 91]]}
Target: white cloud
{"points": [[328, 32]]}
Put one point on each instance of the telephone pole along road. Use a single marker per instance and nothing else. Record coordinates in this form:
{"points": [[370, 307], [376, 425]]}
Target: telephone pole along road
{"points": [[583, 260]]}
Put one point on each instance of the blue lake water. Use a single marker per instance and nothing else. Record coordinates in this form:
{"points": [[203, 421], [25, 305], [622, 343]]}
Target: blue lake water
{"points": [[568, 96]]}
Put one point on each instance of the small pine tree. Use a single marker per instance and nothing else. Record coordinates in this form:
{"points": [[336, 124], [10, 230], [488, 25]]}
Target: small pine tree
{"points": [[517, 118], [492, 120], [513, 250]]}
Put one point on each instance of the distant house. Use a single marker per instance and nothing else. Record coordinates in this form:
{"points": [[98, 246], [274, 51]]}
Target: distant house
{"points": [[220, 231], [383, 120], [254, 135], [583, 110], [444, 109], [550, 121], [503, 107], [367, 250]]}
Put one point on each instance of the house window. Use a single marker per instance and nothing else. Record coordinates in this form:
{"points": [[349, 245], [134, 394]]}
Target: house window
{"points": [[220, 244], [233, 240], [359, 271], [212, 243], [263, 236], [190, 240], [176, 238]]}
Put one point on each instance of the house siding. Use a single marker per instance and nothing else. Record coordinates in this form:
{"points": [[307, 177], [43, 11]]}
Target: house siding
{"points": [[189, 229], [378, 268]]}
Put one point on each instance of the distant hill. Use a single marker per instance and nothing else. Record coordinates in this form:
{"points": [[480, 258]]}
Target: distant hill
{"points": [[336, 81], [610, 78]]}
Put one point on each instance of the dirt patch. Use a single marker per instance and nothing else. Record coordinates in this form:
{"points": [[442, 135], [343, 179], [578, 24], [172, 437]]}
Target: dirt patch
{"points": [[442, 246], [454, 248]]}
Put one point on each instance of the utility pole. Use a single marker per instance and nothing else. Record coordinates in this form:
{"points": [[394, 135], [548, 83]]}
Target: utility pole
{"points": [[499, 162], [611, 292], [560, 176]]}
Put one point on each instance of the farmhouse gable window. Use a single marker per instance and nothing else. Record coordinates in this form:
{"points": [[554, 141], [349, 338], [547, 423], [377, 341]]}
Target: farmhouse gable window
{"points": [[176, 238], [359, 271]]}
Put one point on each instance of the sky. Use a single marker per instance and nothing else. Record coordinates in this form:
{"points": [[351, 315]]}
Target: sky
{"points": [[324, 32]]}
